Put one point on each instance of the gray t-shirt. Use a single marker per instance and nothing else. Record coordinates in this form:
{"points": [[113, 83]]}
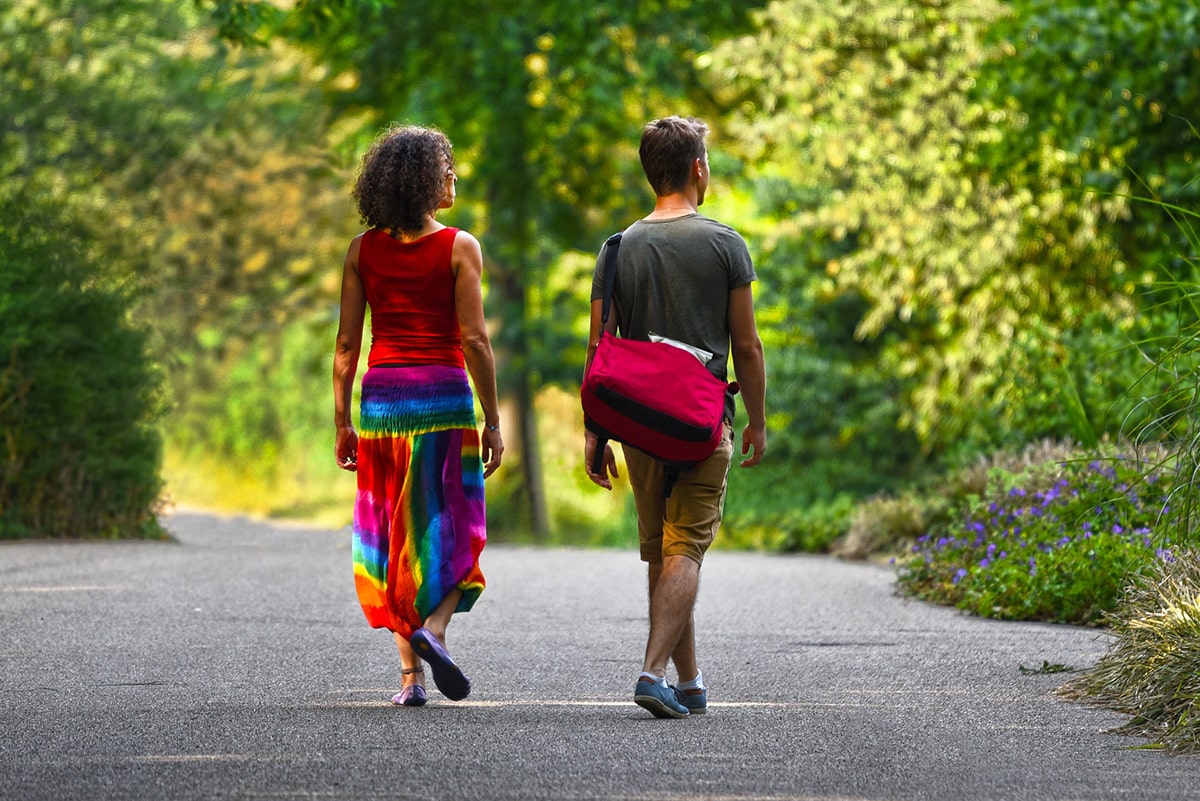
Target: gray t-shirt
{"points": [[674, 278]]}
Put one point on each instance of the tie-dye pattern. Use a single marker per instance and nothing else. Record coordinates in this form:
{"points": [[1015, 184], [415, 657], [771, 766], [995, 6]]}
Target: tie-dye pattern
{"points": [[419, 518]]}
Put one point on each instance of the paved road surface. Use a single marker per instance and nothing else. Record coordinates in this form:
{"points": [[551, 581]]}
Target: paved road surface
{"points": [[235, 664]]}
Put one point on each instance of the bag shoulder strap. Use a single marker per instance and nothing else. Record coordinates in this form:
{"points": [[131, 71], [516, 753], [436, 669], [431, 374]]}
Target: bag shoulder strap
{"points": [[611, 247]]}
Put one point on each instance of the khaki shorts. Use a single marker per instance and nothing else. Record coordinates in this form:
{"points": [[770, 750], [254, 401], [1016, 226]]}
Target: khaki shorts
{"points": [[685, 523]]}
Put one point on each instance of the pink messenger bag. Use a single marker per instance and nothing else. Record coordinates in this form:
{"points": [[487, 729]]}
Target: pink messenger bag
{"points": [[653, 396]]}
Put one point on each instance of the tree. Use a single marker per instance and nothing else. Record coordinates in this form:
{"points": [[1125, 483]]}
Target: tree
{"points": [[196, 179], [79, 399], [543, 100], [868, 108]]}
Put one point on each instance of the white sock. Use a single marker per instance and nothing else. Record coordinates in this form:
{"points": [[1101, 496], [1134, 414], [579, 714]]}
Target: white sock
{"points": [[661, 681], [695, 684]]}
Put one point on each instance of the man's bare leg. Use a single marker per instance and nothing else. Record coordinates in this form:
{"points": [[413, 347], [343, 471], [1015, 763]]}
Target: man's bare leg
{"points": [[673, 586]]}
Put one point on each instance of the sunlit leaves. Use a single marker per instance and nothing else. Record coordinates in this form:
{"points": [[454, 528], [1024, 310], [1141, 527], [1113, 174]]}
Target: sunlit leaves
{"points": [[873, 100]]}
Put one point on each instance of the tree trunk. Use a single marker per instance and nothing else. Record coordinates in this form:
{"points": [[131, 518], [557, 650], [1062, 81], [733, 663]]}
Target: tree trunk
{"points": [[511, 192], [531, 457]]}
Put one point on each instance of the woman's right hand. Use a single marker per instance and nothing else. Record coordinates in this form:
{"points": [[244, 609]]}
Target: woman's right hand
{"points": [[345, 448]]}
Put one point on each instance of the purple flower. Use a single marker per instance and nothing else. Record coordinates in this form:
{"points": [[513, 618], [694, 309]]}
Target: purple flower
{"points": [[959, 575]]}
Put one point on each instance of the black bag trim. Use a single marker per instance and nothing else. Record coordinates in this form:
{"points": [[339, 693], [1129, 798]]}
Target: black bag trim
{"points": [[653, 418]]}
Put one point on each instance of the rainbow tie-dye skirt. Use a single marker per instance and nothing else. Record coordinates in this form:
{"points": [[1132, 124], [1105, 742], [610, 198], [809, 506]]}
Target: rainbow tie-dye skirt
{"points": [[419, 518]]}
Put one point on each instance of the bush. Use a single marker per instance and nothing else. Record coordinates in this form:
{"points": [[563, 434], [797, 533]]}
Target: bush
{"points": [[881, 524], [1152, 668], [79, 400], [759, 516], [889, 525], [1056, 542]]}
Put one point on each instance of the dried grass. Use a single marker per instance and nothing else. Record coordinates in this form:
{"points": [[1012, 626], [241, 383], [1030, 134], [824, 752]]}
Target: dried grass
{"points": [[1152, 670]]}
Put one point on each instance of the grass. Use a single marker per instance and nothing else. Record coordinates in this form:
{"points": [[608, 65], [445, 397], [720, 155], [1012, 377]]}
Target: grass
{"points": [[1152, 669]]}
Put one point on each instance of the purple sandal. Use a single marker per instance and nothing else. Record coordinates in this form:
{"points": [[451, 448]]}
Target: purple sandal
{"points": [[450, 680], [412, 695]]}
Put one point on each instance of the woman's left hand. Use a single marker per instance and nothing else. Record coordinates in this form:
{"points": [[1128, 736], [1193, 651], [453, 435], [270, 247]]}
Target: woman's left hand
{"points": [[492, 450]]}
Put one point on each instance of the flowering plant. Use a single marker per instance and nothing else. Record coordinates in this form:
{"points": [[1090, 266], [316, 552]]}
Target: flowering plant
{"points": [[1056, 543]]}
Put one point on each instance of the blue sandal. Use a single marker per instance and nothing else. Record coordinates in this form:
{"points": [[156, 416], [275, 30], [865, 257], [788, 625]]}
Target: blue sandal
{"points": [[448, 677]]}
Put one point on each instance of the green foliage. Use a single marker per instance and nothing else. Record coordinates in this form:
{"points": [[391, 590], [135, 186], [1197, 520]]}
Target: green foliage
{"points": [[1170, 409], [1112, 85], [758, 516], [970, 250], [258, 438], [543, 101], [1152, 668], [935, 193], [79, 403], [1056, 542], [833, 409], [151, 140]]}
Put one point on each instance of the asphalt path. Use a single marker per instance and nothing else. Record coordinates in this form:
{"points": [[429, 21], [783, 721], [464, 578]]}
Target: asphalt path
{"points": [[234, 663]]}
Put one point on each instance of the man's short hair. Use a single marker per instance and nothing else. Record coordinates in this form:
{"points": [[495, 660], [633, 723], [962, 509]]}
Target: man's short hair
{"points": [[670, 146]]}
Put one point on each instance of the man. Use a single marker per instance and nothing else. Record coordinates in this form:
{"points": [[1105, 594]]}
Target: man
{"points": [[686, 277]]}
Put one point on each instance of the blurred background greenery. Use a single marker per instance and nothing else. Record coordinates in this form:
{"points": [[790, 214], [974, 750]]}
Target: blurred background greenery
{"points": [[939, 195]]}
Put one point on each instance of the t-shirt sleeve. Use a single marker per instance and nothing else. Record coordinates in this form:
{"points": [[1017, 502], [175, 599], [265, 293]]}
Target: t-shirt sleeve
{"points": [[598, 274], [741, 266]]}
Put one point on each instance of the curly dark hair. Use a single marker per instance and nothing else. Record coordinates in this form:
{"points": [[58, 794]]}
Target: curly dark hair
{"points": [[403, 177]]}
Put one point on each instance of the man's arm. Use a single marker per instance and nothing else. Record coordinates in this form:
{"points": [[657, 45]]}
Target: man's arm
{"points": [[747, 350], [591, 441]]}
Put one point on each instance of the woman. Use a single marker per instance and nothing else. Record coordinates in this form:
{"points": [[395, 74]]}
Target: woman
{"points": [[419, 522]]}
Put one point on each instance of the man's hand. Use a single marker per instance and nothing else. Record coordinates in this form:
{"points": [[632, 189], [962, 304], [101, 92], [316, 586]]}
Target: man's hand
{"points": [[608, 466], [754, 439]]}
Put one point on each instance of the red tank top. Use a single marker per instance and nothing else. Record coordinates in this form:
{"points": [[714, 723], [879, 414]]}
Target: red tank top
{"points": [[410, 289]]}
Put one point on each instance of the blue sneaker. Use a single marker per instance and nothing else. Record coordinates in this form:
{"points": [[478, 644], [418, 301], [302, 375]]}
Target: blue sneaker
{"points": [[659, 699], [696, 700]]}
